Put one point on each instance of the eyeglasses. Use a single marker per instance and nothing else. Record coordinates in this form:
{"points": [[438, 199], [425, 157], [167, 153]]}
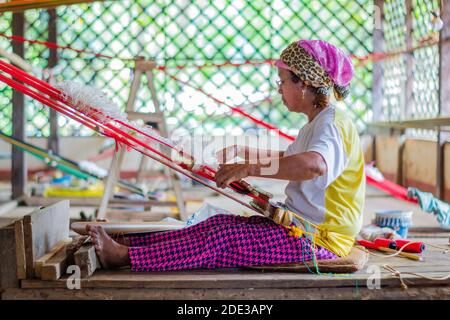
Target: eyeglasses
{"points": [[279, 82]]}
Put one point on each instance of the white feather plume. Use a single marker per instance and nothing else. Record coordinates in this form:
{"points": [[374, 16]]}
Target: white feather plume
{"points": [[93, 102], [90, 100]]}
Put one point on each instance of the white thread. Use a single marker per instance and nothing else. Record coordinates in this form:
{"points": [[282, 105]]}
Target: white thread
{"points": [[90, 101]]}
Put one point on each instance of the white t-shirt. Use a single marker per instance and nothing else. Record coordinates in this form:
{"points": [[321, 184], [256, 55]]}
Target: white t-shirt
{"points": [[322, 136], [335, 200]]}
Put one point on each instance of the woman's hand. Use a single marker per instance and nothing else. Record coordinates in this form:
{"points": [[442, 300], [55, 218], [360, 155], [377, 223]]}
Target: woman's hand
{"points": [[229, 173], [229, 153]]}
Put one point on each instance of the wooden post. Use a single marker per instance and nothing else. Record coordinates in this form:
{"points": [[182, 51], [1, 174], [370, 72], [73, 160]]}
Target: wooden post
{"points": [[110, 183], [53, 140], [444, 94], [406, 113], [18, 164], [377, 87], [444, 108], [378, 46]]}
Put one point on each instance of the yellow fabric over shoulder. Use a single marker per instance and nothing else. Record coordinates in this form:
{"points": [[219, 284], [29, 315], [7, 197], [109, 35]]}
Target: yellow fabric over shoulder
{"points": [[344, 197]]}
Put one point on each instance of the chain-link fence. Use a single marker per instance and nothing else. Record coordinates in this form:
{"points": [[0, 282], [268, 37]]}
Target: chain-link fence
{"points": [[423, 70], [190, 34]]}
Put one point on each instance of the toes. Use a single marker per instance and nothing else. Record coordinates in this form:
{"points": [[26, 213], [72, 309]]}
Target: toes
{"points": [[92, 230], [95, 241], [102, 231]]}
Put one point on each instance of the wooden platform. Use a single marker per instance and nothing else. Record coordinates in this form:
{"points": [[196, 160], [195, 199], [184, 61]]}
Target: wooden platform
{"points": [[252, 284], [246, 284]]}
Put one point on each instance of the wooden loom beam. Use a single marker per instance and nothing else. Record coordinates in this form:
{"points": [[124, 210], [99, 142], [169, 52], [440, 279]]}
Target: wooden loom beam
{"points": [[22, 5]]}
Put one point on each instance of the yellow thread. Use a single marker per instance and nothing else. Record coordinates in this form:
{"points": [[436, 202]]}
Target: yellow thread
{"points": [[295, 232], [323, 232], [298, 232]]}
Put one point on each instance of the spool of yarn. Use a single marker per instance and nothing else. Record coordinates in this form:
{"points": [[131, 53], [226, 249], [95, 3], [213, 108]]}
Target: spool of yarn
{"points": [[399, 221], [367, 244], [414, 247], [385, 243]]}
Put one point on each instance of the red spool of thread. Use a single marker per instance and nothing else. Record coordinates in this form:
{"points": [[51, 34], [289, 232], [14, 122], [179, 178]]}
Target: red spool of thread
{"points": [[367, 244], [414, 247], [386, 243]]}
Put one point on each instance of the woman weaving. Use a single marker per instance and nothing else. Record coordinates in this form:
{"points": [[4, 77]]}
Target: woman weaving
{"points": [[324, 167]]}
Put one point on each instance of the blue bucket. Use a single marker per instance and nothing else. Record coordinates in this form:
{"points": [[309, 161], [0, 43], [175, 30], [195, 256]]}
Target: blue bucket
{"points": [[399, 221]]}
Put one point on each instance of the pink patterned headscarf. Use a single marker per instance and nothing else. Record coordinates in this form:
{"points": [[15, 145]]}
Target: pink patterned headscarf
{"points": [[318, 64], [335, 62]]}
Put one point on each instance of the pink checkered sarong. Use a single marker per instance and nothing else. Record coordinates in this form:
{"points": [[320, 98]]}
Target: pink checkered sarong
{"points": [[221, 241]]}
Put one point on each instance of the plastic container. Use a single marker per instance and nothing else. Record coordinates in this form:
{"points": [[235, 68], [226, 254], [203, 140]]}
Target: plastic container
{"points": [[398, 220]]}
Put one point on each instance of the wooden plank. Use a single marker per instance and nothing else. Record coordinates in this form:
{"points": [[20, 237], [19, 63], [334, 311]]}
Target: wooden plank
{"points": [[145, 65], [39, 263], [388, 156], [367, 143], [22, 5], [226, 279], [125, 215], [440, 191], [134, 115], [55, 267], [8, 206], [28, 241], [20, 250], [128, 227], [43, 229], [446, 181], [87, 260], [360, 292], [73, 247], [8, 273], [419, 164], [428, 123]]}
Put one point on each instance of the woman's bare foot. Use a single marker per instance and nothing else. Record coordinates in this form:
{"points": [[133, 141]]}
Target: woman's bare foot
{"points": [[110, 253], [121, 239]]}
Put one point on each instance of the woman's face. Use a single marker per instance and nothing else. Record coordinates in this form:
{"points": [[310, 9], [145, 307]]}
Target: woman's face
{"points": [[292, 93]]}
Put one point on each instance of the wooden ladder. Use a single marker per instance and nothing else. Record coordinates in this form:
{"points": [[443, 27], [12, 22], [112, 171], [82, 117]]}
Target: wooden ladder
{"points": [[155, 118]]}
